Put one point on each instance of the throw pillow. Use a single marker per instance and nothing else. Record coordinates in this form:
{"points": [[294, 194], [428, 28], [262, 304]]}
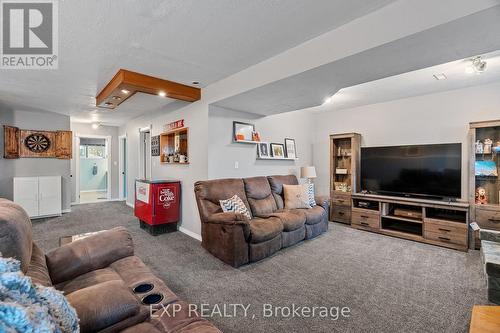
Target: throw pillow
{"points": [[296, 196], [235, 205], [310, 188]]}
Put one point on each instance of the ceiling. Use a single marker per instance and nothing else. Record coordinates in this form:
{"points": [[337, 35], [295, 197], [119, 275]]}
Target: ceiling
{"points": [[177, 40], [468, 36], [416, 83]]}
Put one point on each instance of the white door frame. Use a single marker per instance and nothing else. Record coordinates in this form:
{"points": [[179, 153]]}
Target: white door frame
{"points": [[77, 163], [122, 145], [147, 153]]}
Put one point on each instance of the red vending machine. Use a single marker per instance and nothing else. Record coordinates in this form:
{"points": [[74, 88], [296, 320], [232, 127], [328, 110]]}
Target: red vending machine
{"points": [[158, 204]]}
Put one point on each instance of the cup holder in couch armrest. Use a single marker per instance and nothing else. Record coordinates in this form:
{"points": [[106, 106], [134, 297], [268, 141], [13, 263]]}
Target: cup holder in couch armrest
{"points": [[143, 288], [152, 299]]}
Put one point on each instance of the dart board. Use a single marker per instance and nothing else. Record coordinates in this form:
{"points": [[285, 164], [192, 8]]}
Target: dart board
{"points": [[37, 143]]}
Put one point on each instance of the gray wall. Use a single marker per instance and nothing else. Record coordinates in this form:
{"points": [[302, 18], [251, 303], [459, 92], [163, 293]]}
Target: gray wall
{"points": [[32, 167], [86, 129], [435, 118], [223, 153]]}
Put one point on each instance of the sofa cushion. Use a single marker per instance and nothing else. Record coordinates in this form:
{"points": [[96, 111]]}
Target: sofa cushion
{"points": [[88, 279], [291, 219], [314, 215], [235, 205], [259, 195], [262, 230], [103, 305], [276, 183], [38, 270], [210, 192], [15, 233], [296, 196]]}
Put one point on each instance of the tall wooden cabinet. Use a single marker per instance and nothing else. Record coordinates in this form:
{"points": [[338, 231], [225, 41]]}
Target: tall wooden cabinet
{"points": [[484, 169], [344, 174]]}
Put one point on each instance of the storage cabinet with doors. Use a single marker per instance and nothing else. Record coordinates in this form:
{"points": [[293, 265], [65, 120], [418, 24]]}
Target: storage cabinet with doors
{"points": [[484, 168], [344, 174], [19, 143], [39, 196]]}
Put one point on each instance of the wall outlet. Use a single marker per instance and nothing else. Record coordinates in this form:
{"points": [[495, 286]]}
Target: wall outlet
{"points": [[236, 165]]}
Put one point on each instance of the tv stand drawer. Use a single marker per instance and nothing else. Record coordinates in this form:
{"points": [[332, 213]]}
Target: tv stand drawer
{"points": [[444, 231], [365, 219], [452, 238]]}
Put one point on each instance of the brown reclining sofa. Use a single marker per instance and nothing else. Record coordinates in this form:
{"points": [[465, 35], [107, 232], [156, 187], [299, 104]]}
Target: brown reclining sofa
{"points": [[236, 240], [97, 275]]}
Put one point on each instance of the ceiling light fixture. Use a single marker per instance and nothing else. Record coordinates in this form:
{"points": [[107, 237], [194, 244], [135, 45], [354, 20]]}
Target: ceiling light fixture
{"points": [[440, 77], [477, 65], [162, 94], [196, 82], [96, 125], [116, 98], [125, 91]]}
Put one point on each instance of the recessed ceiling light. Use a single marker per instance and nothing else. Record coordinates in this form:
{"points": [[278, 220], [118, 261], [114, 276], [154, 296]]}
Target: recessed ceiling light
{"points": [[196, 82], [125, 91], [95, 125], [116, 98], [162, 94], [476, 65], [327, 100], [440, 77], [108, 104]]}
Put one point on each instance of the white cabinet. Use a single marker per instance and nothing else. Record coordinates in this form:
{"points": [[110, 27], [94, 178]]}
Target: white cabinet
{"points": [[39, 196]]}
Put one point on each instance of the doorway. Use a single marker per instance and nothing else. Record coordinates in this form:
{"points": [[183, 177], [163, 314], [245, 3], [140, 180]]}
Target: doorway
{"points": [[123, 166], [93, 176], [145, 153]]}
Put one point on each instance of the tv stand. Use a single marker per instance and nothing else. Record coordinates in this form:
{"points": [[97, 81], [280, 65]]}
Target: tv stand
{"points": [[436, 222]]}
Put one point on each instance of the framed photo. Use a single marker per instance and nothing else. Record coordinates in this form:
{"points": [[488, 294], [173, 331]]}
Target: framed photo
{"points": [[290, 149], [263, 149], [243, 131], [278, 150]]}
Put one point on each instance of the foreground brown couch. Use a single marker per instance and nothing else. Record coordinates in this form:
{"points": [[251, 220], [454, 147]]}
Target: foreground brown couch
{"points": [[237, 240], [97, 275]]}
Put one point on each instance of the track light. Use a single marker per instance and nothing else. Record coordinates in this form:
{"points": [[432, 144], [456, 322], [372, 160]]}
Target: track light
{"points": [[96, 125], [477, 65]]}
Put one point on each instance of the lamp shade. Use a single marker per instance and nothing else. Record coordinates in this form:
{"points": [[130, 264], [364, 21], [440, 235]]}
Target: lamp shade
{"points": [[308, 172]]}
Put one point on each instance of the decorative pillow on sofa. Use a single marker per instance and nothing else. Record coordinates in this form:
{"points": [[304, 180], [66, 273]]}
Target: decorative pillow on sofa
{"points": [[296, 196], [235, 205], [310, 188]]}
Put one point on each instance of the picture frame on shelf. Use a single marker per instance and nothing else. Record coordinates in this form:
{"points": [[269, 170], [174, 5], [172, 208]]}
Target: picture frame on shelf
{"points": [[243, 131], [290, 148], [263, 150], [277, 150]]}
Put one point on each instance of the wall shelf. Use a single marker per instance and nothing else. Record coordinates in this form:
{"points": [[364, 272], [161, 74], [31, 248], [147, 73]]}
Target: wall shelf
{"points": [[173, 142], [278, 158], [246, 141]]}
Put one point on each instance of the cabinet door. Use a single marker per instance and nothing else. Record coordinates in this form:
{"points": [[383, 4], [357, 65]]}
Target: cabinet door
{"points": [[49, 192], [11, 142], [64, 144], [26, 194]]}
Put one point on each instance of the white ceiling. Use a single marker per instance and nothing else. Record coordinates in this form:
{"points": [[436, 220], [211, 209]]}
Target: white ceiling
{"points": [[416, 83], [470, 35], [179, 40]]}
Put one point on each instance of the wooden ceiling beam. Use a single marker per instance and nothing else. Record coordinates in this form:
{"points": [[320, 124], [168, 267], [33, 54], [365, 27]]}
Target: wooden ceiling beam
{"points": [[112, 94]]}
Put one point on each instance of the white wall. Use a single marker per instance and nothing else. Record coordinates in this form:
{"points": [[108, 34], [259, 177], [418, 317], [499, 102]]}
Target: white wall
{"points": [[223, 153], [435, 118], [32, 167], [86, 129]]}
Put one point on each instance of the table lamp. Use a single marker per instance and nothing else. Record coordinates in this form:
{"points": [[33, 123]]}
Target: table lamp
{"points": [[308, 172]]}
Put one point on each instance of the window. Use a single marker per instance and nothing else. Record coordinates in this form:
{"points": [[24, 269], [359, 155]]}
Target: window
{"points": [[92, 151]]}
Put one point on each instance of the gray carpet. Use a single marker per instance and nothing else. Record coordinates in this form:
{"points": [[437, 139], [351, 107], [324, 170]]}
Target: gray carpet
{"points": [[389, 284]]}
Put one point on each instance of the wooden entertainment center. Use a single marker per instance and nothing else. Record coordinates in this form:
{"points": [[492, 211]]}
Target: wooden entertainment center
{"points": [[427, 221]]}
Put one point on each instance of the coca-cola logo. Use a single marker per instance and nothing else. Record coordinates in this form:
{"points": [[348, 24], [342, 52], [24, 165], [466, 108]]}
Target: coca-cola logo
{"points": [[166, 197]]}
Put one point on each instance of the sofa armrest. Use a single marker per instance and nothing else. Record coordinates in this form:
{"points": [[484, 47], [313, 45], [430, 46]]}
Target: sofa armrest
{"points": [[88, 254], [102, 305], [323, 201], [489, 235], [227, 218]]}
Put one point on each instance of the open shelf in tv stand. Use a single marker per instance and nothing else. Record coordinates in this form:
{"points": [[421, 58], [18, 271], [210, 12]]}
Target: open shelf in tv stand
{"points": [[428, 221]]}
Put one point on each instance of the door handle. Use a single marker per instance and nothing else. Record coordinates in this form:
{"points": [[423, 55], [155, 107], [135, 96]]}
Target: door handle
{"points": [[494, 220], [442, 229], [341, 213], [444, 238], [364, 223], [364, 216]]}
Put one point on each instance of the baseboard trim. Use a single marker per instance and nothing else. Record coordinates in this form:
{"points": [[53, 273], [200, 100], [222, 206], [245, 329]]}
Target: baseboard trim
{"points": [[88, 191], [129, 204], [64, 211], [99, 201], [190, 233]]}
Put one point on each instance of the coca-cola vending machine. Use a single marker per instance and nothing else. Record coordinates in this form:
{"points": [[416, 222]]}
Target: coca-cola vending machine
{"points": [[158, 204]]}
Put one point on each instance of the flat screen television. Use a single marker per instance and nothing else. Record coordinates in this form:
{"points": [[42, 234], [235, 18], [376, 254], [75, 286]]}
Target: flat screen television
{"points": [[413, 171]]}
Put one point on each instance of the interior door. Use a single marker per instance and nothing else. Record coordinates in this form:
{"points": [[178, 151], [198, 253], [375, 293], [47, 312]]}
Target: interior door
{"points": [[49, 191], [26, 194]]}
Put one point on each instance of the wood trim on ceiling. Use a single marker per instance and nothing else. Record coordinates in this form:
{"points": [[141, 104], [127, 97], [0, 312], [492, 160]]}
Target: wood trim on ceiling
{"points": [[112, 96]]}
